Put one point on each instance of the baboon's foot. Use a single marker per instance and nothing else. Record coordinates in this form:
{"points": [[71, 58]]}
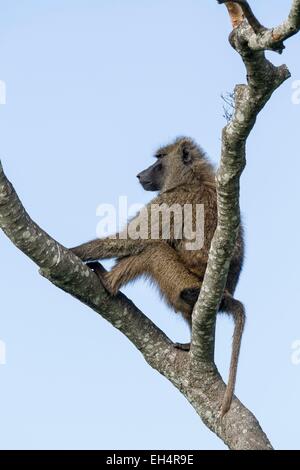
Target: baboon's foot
{"points": [[190, 296], [102, 274], [183, 346]]}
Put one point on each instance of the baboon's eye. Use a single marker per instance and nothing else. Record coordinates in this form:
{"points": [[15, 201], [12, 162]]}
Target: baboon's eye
{"points": [[160, 155]]}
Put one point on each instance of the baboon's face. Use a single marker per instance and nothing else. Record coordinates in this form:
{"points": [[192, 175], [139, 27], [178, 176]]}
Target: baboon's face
{"points": [[153, 177], [172, 165], [177, 164]]}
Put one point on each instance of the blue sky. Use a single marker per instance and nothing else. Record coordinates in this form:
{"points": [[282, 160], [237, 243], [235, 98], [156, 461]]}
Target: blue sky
{"points": [[93, 88]]}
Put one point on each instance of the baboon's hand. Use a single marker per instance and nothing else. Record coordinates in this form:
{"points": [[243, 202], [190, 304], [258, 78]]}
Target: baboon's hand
{"points": [[96, 267], [102, 275], [78, 252]]}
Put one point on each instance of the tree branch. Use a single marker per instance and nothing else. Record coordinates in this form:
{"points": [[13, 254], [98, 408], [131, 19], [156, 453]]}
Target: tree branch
{"points": [[261, 38], [263, 79], [235, 13]]}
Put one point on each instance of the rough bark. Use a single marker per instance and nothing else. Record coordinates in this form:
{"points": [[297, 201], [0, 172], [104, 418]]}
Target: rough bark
{"points": [[195, 373]]}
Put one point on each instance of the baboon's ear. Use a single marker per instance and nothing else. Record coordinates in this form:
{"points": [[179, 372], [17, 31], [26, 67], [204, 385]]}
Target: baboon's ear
{"points": [[186, 154]]}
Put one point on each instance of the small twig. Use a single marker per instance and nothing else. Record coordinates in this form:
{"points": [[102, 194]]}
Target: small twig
{"points": [[228, 107]]}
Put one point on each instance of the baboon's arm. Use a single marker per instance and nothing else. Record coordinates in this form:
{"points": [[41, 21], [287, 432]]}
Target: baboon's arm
{"points": [[106, 248], [147, 227]]}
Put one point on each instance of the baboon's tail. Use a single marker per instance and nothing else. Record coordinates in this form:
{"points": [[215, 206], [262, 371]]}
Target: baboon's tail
{"points": [[235, 308]]}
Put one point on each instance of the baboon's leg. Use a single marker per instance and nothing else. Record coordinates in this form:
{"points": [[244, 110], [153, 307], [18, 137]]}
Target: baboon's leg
{"points": [[190, 296], [162, 264]]}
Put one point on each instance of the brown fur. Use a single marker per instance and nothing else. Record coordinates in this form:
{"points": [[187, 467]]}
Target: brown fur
{"points": [[182, 175]]}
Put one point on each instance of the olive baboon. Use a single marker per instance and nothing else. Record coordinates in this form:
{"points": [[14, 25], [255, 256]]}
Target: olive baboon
{"points": [[182, 175]]}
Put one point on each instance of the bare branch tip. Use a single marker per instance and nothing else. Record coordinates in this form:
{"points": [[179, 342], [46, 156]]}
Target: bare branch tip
{"points": [[235, 12]]}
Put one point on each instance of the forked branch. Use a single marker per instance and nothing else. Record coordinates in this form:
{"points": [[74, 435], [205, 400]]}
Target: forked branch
{"points": [[263, 79]]}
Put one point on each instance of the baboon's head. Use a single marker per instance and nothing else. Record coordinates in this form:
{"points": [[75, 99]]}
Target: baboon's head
{"points": [[178, 164]]}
